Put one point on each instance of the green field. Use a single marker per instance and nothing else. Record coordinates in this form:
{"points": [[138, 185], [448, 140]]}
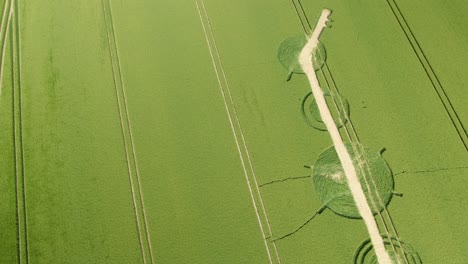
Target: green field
{"points": [[166, 131]]}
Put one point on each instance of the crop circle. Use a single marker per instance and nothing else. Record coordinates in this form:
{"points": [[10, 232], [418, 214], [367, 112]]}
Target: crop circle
{"points": [[331, 184], [311, 113], [290, 49], [397, 249]]}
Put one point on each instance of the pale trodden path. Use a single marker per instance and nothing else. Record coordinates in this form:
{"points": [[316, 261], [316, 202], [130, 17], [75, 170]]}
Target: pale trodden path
{"points": [[362, 205]]}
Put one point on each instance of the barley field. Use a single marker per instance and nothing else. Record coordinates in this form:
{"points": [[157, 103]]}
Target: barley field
{"points": [[185, 131]]}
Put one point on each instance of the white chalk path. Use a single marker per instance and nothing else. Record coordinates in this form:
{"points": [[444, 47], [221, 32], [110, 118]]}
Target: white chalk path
{"points": [[357, 192]]}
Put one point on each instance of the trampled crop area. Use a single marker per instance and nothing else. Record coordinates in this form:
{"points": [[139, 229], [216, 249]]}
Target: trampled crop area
{"points": [[187, 132]]}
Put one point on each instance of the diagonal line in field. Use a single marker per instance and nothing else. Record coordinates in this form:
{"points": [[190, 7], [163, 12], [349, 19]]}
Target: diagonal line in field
{"points": [[5, 8], [235, 134], [20, 178], [122, 126], [17, 169], [431, 74], [132, 143], [3, 35], [244, 143]]}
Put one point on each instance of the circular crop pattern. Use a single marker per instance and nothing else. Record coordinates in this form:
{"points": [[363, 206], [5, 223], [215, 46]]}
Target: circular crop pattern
{"points": [[332, 187], [290, 49], [398, 251], [311, 113]]}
